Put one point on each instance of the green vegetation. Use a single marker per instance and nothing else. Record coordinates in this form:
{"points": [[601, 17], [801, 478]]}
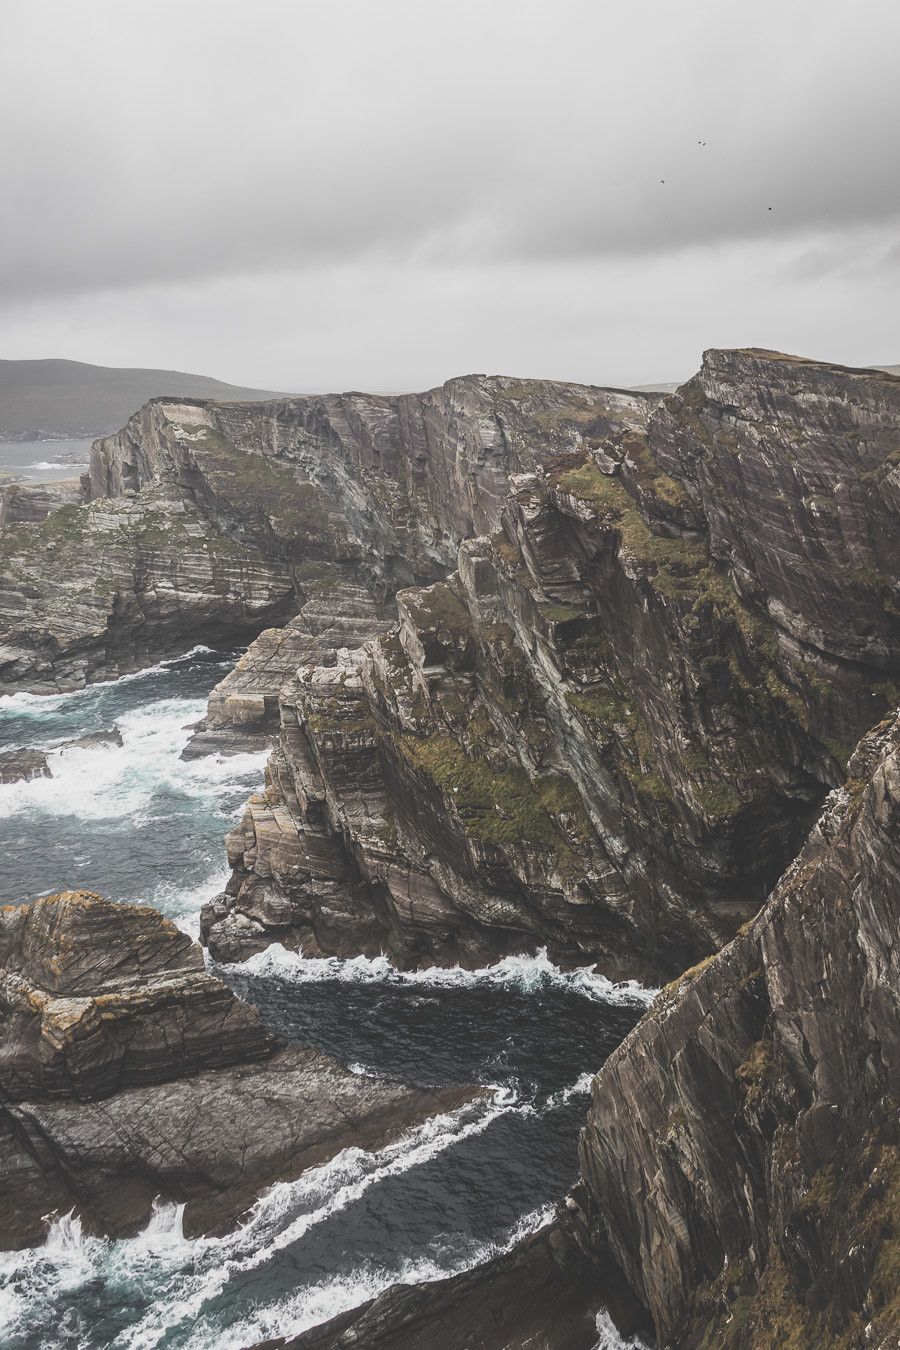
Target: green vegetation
{"points": [[438, 607], [257, 485], [754, 1070], [648, 473], [500, 806], [560, 613], [719, 799], [602, 706], [688, 976]]}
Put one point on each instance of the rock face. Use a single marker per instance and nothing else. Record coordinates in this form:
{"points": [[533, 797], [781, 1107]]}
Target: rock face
{"points": [[20, 766], [334, 613], [605, 732], [128, 1073], [33, 502], [740, 1159], [636, 639], [95, 590]]}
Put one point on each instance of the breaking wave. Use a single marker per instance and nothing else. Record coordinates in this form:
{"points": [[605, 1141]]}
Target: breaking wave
{"points": [[530, 974], [173, 1281], [110, 781], [37, 705], [610, 1338]]}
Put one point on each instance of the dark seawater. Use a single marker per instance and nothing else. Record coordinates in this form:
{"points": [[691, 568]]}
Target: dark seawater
{"points": [[135, 823], [138, 824]]}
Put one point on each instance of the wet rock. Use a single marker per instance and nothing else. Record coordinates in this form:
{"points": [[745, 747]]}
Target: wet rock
{"points": [[20, 766], [95, 740], [128, 1073], [617, 691]]}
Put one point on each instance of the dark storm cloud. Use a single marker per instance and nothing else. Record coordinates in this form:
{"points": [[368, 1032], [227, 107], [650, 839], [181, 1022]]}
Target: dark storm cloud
{"points": [[153, 142], [324, 193]]}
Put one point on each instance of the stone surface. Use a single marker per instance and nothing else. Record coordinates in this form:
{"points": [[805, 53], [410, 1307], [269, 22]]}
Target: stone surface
{"points": [[740, 1160], [33, 502], [93, 591], [20, 766], [606, 731], [95, 740], [127, 1074], [596, 734]]}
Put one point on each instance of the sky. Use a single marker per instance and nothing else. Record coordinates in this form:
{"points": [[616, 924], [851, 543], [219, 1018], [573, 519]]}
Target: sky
{"points": [[314, 195]]}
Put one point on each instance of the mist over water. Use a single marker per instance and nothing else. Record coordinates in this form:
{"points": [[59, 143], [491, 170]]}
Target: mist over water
{"points": [[138, 824]]}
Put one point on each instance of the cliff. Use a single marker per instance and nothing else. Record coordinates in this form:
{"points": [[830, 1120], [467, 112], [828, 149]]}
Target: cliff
{"points": [[128, 1075], [740, 1158], [611, 727], [565, 666], [740, 1182]]}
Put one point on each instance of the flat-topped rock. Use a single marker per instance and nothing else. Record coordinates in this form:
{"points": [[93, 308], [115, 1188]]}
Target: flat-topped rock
{"points": [[128, 1073]]}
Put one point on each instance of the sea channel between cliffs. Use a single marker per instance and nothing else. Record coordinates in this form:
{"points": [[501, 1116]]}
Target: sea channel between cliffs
{"points": [[136, 822]]}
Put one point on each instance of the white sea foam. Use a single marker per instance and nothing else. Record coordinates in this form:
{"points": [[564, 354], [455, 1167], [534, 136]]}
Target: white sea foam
{"points": [[528, 973], [112, 782], [36, 704], [330, 1298], [180, 1276], [610, 1339], [580, 1087]]}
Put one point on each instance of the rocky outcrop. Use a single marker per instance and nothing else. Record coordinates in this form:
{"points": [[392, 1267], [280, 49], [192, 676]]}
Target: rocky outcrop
{"points": [[740, 1160], [601, 733], [93, 591], [20, 766], [128, 1074], [24, 764], [33, 502], [334, 613], [798, 485]]}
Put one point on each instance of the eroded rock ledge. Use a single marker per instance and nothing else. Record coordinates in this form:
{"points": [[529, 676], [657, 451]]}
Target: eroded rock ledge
{"points": [[127, 1074]]}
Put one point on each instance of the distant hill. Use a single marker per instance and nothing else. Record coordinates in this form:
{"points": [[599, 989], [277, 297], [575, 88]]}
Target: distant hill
{"points": [[69, 398]]}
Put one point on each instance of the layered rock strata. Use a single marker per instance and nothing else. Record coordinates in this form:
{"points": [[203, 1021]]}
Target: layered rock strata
{"points": [[605, 732], [21, 766], [128, 1074], [95, 590], [243, 710], [33, 502], [740, 1159]]}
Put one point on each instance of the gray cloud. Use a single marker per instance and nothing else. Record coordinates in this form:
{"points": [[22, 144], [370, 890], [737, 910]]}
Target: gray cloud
{"points": [[163, 155]]}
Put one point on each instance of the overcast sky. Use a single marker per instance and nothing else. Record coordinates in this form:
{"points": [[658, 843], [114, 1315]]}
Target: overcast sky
{"points": [[325, 194]]}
